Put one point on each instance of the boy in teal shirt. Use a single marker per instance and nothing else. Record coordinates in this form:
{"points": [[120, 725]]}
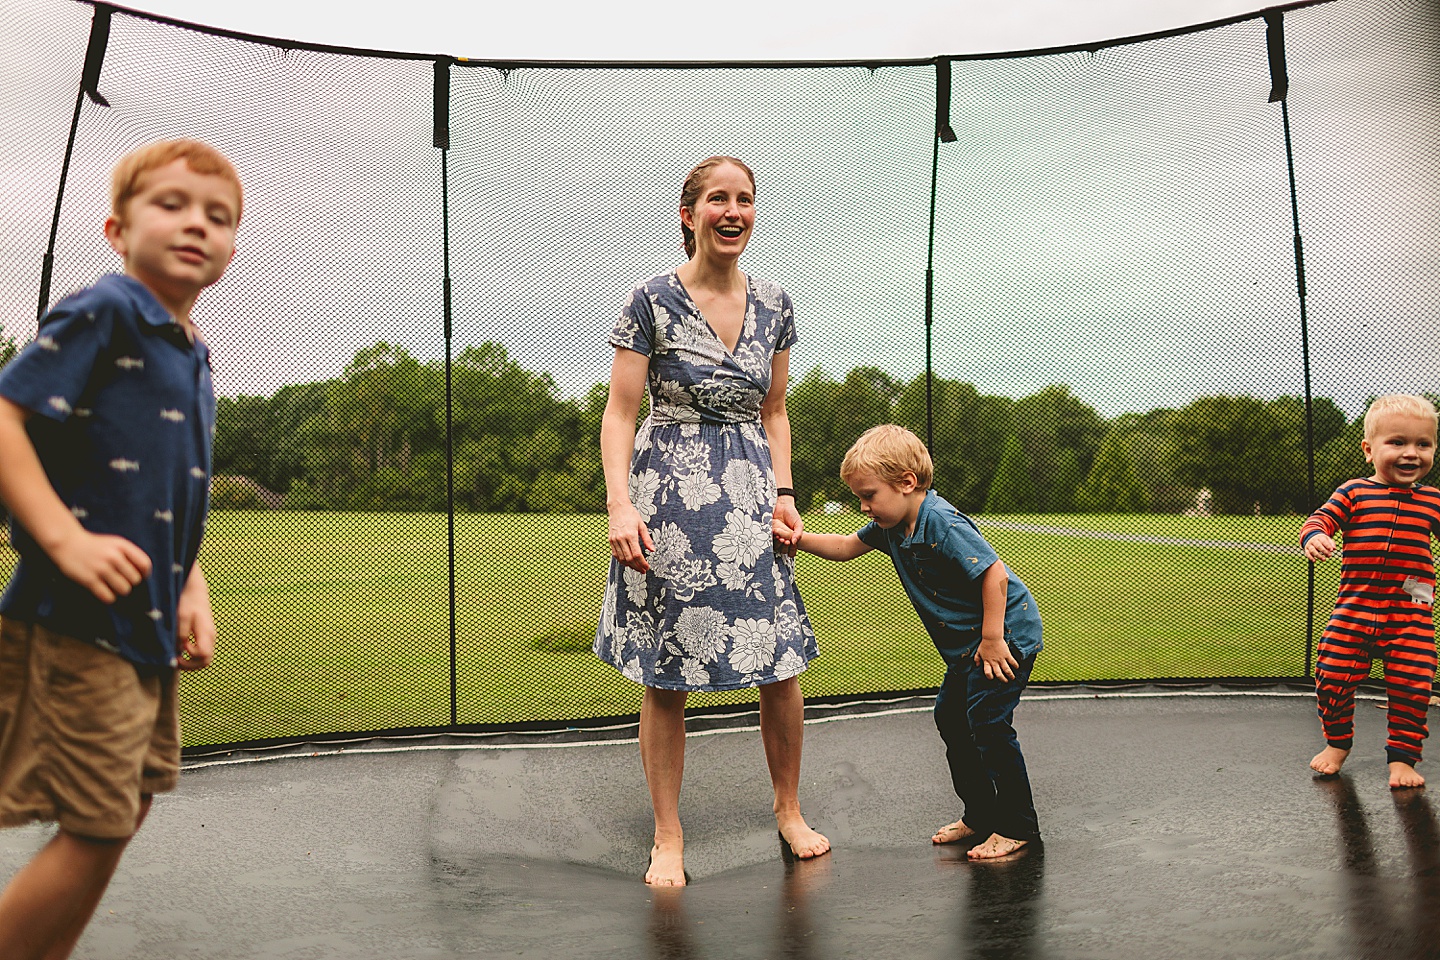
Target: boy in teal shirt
{"points": [[982, 619]]}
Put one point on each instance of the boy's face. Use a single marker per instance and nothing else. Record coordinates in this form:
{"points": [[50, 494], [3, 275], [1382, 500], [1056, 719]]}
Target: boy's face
{"points": [[177, 233], [888, 504], [1402, 448]]}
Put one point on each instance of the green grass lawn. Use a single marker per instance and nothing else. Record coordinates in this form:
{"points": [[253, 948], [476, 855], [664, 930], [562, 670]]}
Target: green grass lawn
{"points": [[340, 621]]}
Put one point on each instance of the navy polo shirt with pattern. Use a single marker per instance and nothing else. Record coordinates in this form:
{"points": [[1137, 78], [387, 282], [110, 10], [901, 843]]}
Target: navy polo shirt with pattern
{"points": [[940, 565], [124, 421]]}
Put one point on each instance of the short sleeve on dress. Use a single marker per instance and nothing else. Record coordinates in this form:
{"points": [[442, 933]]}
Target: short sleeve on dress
{"points": [[786, 337], [52, 372], [635, 327]]}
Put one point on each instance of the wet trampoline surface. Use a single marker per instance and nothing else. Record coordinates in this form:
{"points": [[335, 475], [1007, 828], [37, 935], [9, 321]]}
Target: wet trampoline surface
{"points": [[1176, 825]]}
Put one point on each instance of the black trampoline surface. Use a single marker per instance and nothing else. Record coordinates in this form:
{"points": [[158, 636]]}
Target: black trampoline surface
{"points": [[1176, 823]]}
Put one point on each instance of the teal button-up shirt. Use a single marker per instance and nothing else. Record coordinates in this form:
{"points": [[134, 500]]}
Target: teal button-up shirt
{"points": [[941, 565]]}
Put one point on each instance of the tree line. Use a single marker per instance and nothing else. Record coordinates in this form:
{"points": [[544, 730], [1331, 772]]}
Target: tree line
{"points": [[374, 439]]}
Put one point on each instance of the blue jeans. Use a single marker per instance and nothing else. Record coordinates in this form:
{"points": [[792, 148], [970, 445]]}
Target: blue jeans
{"points": [[974, 717]]}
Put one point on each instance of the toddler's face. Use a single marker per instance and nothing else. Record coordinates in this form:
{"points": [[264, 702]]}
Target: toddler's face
{"points": [[1402, 448]]}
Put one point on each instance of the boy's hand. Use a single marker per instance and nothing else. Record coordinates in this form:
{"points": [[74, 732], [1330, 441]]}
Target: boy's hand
{"points": [[1319, 547], [786, 525], [994, 655], [106, 565], [195, 624]]}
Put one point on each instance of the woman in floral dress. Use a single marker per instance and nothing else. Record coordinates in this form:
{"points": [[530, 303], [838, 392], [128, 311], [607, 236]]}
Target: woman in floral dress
{"points": [[699, 597]]}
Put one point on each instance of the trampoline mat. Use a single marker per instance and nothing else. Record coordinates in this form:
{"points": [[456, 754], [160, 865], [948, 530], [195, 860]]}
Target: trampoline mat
{"points": [[1176, 824]]}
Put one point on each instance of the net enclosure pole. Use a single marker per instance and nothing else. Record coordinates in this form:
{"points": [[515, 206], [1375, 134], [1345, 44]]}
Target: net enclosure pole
{"points": [[442, 143], [1279, 93]]}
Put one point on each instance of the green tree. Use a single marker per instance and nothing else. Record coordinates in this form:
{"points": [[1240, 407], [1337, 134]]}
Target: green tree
{"points": [[970, 433], [815, 450], [1113, 485], [1247, 452], [1011, 490], [1060, 434]]}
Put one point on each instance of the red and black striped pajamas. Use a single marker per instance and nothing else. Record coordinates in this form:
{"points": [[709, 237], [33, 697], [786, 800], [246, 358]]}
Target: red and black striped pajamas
{"points": [[1386, 562]]}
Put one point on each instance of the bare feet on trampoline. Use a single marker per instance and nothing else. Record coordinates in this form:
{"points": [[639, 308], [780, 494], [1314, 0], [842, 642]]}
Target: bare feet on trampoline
{"points": [[667, 865], [953, 833], [805, 843], [1327, 762], [1403, 775], [995, 847]]}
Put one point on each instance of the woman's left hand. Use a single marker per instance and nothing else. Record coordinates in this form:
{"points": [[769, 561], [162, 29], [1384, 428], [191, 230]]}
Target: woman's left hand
{"points": [[787, 526]]}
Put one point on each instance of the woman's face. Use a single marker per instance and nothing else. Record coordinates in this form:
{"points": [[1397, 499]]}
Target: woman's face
{"points": [[724, 213]]}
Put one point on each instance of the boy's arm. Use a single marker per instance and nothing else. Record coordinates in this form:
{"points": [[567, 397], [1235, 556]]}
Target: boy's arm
{"points": [[1317, 536], [993, 652], [195, 623], [107, 566], [831, 546]]}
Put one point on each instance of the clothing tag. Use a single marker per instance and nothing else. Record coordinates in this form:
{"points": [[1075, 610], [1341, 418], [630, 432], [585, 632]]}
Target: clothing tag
{"points": [[1420, 592]]}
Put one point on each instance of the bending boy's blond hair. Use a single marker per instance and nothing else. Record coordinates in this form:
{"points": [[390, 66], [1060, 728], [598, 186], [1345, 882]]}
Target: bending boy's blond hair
{"points": [[1408, 404], [199, 157], [889, 452]]}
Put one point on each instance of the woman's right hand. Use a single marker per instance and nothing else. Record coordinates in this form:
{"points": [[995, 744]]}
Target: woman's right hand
{"points": [[628, 536]]}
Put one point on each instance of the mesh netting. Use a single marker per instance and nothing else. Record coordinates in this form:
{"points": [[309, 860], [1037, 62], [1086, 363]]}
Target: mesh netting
{"points": [[408, 529]]}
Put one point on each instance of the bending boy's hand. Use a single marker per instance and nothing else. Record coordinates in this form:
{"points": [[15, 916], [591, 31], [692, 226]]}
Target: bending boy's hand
{"points": [[786, 525], [1319, 547], [106, 565], [994, 655], [195, 624]]}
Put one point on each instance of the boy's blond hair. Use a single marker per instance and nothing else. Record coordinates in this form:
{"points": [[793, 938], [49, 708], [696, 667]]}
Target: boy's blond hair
{"points": [[1407, 404], [199, 157], [889, 451]]}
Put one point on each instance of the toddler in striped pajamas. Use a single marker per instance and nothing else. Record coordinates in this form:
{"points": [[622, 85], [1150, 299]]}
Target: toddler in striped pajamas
{"points": [[1387, 586]]}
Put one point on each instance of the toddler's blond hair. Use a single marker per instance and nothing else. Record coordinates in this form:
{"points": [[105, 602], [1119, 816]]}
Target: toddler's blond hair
{"points": [[1407, 404], [889, 451]]}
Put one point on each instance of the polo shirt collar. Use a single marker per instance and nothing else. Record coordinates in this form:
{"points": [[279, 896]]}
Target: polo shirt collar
{"points": [[152, 312], [917, 536]]}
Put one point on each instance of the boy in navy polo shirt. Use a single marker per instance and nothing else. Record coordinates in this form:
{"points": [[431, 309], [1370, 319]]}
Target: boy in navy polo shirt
{"points": [[106, 421], [982, 618]]}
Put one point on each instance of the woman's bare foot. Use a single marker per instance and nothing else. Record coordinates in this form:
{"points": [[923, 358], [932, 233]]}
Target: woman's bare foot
{"points": [[995, 847], [804, 842], [667, 865], [953, 833], [1403, 775], [1327, 762]]}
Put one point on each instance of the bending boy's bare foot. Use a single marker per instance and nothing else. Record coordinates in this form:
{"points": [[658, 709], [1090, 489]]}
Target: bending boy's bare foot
{"points": [[995, 847], [1403, 775], [804, 842], [667, 865], [953, 833], [1327, 762]]}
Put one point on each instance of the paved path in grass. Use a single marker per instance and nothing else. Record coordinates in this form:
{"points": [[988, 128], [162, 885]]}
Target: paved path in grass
{"points": [[1140, 537]]}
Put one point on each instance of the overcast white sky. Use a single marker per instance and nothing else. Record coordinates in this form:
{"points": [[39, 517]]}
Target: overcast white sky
{"points": [[666, 30]]}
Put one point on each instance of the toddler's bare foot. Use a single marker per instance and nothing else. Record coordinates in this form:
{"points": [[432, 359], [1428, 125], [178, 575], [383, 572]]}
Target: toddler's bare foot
{"points": [[804, 842], [1434, 700], [995, 847], [667, 865], [1403, 775], [1327, 762], [953, 833]]}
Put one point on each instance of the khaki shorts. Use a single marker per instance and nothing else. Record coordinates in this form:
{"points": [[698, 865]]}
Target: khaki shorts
{"points": [[82, 735]]}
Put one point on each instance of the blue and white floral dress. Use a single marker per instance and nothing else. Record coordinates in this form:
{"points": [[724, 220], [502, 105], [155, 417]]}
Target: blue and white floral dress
{"points": [[718, 609]]}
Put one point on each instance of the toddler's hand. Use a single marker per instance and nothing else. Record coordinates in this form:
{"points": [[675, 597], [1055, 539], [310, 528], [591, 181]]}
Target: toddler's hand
{"points": [[106, 565], [1319, 547]]}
